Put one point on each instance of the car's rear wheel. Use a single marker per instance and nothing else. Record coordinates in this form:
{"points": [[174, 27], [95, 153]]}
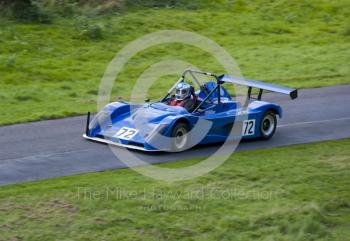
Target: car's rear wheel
{"points": [[268, 125], [179, 137]]}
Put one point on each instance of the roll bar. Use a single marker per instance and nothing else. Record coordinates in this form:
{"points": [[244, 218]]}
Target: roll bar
{"points": [[293, 93], [191, 72]]}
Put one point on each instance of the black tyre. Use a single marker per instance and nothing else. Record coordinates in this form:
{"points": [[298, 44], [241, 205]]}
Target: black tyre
{"points": [[268, 125], [179, 137]]}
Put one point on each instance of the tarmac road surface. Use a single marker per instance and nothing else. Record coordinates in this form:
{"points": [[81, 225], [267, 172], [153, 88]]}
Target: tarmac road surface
{"points": [[53, 148]]}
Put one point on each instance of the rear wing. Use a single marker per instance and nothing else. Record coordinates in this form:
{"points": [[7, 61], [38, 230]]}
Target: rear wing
{"points": [[293, 93]]}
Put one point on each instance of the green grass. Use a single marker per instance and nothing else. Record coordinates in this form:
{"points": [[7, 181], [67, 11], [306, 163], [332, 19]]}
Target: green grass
{"points": [[290, 193], [53, 70]]}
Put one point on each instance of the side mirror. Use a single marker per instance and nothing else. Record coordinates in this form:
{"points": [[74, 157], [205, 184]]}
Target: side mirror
{"points": [[147, 100]]}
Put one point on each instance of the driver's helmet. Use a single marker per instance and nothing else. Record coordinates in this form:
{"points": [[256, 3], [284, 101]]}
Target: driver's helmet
{"points": [[183, 90]]}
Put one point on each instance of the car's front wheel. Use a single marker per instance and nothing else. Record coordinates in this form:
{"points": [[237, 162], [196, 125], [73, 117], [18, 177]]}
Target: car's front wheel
{"points": [[268, 125], [180, 137]]}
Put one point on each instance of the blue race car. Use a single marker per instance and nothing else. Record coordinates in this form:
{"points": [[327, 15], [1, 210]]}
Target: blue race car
{"points": [[189, 117]]}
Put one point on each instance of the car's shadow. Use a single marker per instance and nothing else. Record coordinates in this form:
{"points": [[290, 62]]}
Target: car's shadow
{"points": [[133, 156], [198, 151]]}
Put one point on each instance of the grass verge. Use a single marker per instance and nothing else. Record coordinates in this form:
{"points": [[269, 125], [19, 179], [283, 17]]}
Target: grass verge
{"points": [[291, 193], [53, 70]]}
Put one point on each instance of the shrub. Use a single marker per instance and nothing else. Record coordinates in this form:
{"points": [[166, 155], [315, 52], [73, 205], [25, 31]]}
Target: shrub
{"points": [[88, 29], [93, 31], [64, 8], [26, 11]]}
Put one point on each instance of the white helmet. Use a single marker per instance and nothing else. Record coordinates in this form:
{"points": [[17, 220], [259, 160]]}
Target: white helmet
{"points": [[183, 90]]}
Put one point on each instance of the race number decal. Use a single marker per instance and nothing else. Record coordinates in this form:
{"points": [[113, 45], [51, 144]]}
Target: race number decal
{"points": [[248, 128], [126, 133]]}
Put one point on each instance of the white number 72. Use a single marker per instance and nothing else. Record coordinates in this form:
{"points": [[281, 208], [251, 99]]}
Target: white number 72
{"points": [[126, 133], [248, 127]]}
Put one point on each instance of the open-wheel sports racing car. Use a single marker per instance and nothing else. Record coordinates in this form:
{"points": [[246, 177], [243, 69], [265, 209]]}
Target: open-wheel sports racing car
{"points": [[188, 116]]}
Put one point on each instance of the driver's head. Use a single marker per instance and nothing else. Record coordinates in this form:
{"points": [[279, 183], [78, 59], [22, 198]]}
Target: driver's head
{"points": [[183, 90]]}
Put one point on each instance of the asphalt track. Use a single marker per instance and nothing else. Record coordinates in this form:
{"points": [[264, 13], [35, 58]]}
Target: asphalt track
{"points": [[53, 148]]}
